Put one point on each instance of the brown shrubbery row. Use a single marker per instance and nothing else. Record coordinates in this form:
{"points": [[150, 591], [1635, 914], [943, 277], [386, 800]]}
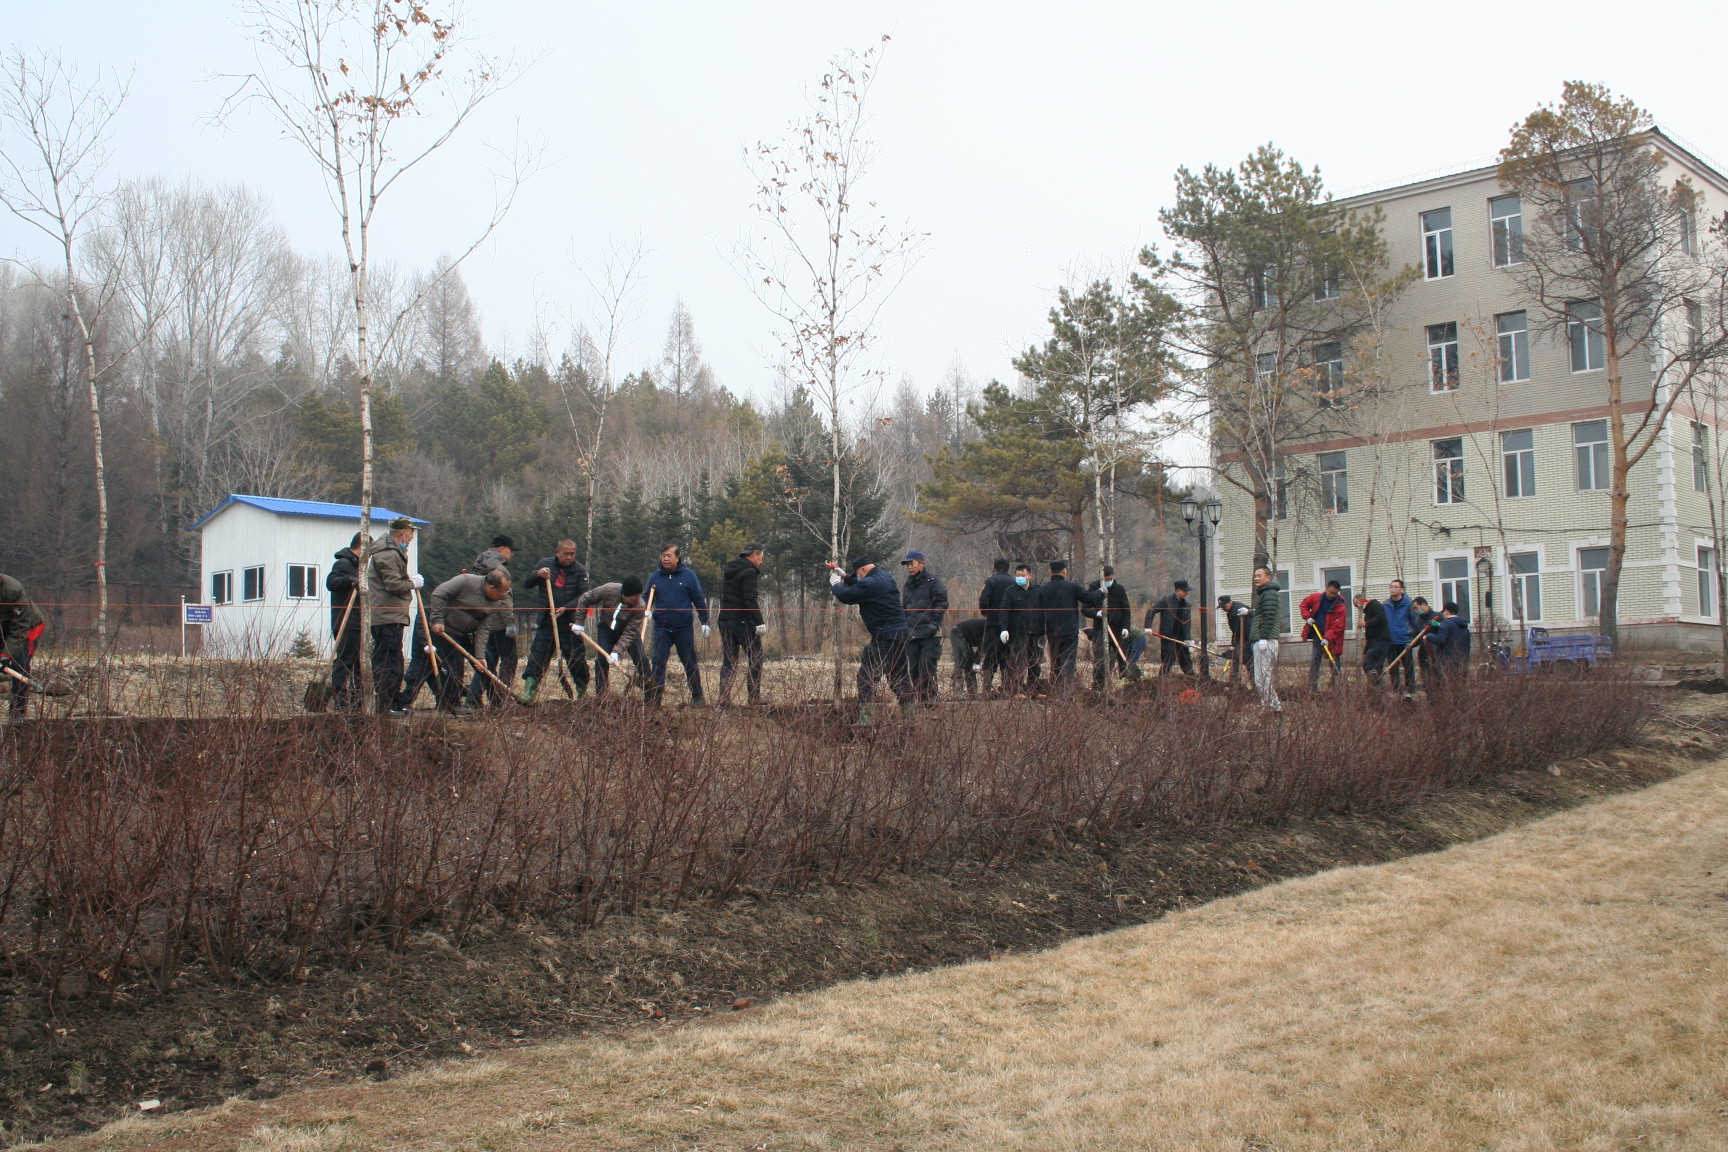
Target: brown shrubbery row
{"points": [[257, 847]]}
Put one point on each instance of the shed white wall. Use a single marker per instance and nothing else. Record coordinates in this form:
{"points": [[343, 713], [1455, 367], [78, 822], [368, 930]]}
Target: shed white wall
{"points": [[242, 536]]}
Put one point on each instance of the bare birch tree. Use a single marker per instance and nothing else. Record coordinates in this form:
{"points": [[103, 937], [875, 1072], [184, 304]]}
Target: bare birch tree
{"points": [[826, 261], [57, 124]]}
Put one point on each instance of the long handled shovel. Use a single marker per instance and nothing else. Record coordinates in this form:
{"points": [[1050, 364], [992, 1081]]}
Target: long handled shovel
{"points": [[1426, 628], [1173, 640], [1326, 648], [52, 689], [426, 627], [318, 692], [558, 645], [479, 665]]}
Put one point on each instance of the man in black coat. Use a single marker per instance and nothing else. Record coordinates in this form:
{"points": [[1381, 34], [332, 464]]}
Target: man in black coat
{"points": [[1171, 619], [567, 578], [925, 599], [968, 644], [1241, 652], [1061, 600], [878, 601], [996, 634], [1376, 638], [343, 583], [1110, 624], [741, 624]]}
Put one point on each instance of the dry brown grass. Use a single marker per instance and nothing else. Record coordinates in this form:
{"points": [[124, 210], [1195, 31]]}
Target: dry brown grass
{"points": [[1555, 987]]}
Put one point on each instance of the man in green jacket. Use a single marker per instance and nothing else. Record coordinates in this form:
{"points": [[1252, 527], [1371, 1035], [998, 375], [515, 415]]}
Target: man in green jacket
{"points": [[1264, 626], [391, 588], [21, 627]]}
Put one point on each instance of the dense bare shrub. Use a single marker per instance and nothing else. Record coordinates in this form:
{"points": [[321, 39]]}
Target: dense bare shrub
{"points": [[255, 846]]}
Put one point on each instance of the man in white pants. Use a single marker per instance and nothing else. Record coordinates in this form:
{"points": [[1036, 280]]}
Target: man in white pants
{"points": [[1264, 625]]}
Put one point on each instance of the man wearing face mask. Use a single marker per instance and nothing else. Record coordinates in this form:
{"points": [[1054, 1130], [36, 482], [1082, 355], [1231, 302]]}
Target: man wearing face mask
{"points": [[1019, 623], [1111, 624]]}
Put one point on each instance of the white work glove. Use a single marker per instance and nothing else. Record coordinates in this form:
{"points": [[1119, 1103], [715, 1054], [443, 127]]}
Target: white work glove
{"points": [[578, 629], [648, 616], [1124, 633], [705, 631], [417, 580], [977, 667], [612, 658], [834, 576], [761, 629], [1003, 636]]}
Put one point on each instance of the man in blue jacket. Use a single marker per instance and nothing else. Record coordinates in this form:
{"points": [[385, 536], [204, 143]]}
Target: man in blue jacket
{"points": [[1401, 624], [878, 601], [679, 606], [1451, 650]]}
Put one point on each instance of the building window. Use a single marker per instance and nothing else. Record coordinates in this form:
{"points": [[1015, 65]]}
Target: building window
{"points": [[302, 582], [1283, 578], [1584, 335], [1280, 491], [1700, 457], [1590, 448], [1514, 337], [221, 587], [1449, 471], [1342, 575], [1707, 583], [1592, 562], [1526, 572], [1329, 372], [1327, 287], [1437, 243], [1689, 232], [1454, 584], [1518, 453], [1265, 367], [1443, 357], [1265, 288], [1578, 213], [252, 584], [1694, 319], [1506, 223], [1334, 482]]}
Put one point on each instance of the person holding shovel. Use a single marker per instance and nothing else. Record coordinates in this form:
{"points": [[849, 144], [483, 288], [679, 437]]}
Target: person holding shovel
{"points": [[343, 584], [21, 627], [878, 601], [1171, 619], [609, 620], [392, 588], [1376, 638], [679, 606], [741, 624], [553, 589], [1112, 627], [1323, 621], [461, 614]]}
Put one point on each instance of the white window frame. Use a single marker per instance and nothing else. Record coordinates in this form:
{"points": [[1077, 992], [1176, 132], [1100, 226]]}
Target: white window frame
{"points": [[1700, 457], [245, 574], [1265, 366], [1442, 583], [1592, 470], [1519, 463], [1689, 229], [1334, 482], [1448, 472], [1706, 581], [1329, 371], [309, 578], [1578, 202], [1439, 258], [1506, 231], [1514, 347], [1692, 316], [226, 576], [1444, 367], [1520, 584], [1280, 490], [1286, 600], [1590, 580], [1584, 334]]}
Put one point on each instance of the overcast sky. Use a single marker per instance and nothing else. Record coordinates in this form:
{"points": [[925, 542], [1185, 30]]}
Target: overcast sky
{"points": [[1028, 139]]}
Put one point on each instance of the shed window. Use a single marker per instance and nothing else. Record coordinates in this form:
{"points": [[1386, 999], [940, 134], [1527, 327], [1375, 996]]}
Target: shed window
{"points": [[302, 582], [252, 584], [221, 587]]}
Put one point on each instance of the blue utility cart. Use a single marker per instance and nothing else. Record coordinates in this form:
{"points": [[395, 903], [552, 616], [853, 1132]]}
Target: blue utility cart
{"points": [[1576, 653]]}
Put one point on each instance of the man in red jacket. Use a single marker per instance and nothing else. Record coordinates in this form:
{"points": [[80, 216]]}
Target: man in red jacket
{"points": [[1324, 616]]}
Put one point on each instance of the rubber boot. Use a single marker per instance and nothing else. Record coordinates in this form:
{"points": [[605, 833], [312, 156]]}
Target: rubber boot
{"points": [[530, 685]]}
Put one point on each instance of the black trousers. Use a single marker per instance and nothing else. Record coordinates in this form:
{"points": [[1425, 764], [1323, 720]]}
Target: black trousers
{"points": [[922, 657], [684, 639], [447, 680], [1404, 672], [1064, 653], [740, 643], [500, 657], [1169, 652], [884, 656], [964, 657], [573, 647], [1106, 655], [607, 639], [345, 668], [386, 663], [996, 658], [1375, 653]]}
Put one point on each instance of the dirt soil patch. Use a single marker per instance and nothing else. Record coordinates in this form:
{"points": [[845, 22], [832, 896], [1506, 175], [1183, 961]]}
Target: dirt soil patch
{"points": [[85, 1062]]}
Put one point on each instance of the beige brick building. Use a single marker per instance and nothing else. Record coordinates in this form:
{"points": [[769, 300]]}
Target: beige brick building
{"points": [[1494, 446]]}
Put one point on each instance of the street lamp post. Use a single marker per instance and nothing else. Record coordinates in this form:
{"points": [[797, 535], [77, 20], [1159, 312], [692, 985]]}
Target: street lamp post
{"points": [[1203, 527]]}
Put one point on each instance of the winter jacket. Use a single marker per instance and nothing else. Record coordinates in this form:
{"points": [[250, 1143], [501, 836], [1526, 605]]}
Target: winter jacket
{"points": [[1114, 612], [341, 583], [567, 585], [387, 582], [1374, 626], [1061, 600], [678, 599], [738, 603], [1400, 619], [991, 597], [878, 603], [1014, 610], [18, 617], [1177, 618], [1236, 614], [1331, 616], [971, 633], [607, 604], [490, 560], [925, 599], [1452, 642], [1265, 623], [461, 605], [1430, 620]]}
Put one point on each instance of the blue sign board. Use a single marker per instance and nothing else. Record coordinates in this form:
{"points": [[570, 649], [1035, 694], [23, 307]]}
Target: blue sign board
{"points": [[200, 614]]}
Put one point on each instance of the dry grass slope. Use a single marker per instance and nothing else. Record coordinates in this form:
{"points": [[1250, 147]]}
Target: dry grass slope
{"points": [[1558, 987]]}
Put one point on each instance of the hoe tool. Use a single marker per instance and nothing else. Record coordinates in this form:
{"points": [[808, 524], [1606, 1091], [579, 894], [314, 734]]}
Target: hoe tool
{"points": [[318, 691], [558, 645]]}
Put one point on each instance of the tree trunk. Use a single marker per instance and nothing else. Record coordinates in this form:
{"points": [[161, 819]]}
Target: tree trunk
{"points": [[364, 363], [1608, 619], [834, 541], [98, 462]]}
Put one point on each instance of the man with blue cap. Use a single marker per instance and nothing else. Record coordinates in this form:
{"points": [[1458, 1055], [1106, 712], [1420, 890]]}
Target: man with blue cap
{"points": [[925, 599], [878, 601]]}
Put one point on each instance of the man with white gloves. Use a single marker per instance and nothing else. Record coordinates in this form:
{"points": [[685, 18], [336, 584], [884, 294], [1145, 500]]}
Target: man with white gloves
{"points": [[391, 587], [741, 624], [679, 606]]}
